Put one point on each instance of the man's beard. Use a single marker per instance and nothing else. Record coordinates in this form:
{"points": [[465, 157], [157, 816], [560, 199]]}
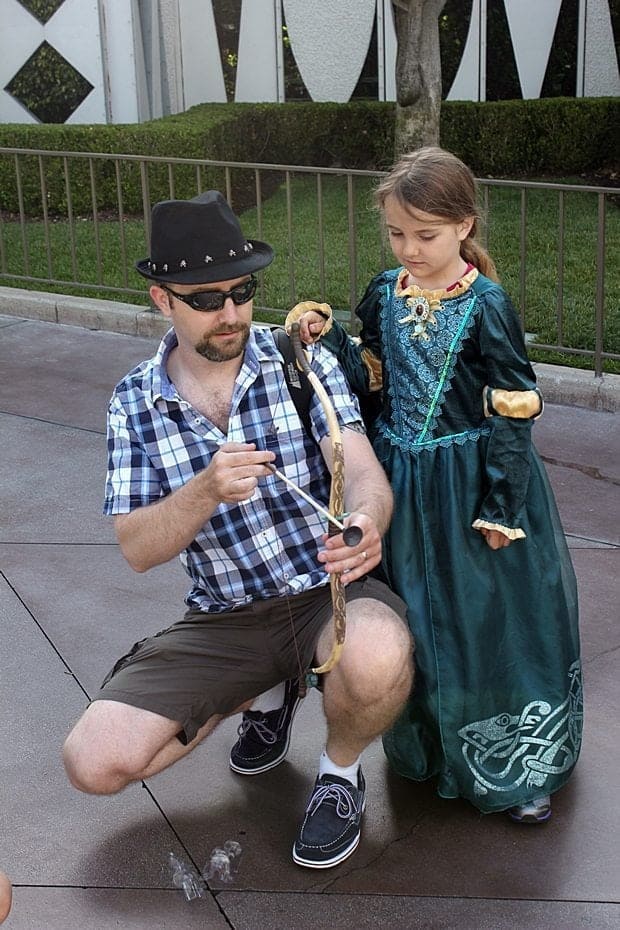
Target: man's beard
{"points": [[214, 352]]}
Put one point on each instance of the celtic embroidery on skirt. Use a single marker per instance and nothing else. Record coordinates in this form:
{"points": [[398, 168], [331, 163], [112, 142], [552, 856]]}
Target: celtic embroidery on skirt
{"points": [[504, 751]]}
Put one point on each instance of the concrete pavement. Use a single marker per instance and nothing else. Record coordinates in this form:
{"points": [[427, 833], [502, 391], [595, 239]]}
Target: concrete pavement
{"points": [[69, 605]]}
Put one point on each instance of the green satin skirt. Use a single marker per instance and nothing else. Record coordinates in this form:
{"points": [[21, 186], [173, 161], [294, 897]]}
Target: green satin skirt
{"points": [[496, 711]]}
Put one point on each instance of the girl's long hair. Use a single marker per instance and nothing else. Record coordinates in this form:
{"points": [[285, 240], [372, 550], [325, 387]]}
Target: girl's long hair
{"points": [[437, 182]]}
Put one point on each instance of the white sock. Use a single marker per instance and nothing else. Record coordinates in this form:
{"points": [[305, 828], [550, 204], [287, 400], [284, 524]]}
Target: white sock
{"points": [[327, 767], [269, 700]]}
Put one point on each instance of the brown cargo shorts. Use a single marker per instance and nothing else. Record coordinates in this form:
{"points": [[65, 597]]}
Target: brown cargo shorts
{"points": [[210, 664]]}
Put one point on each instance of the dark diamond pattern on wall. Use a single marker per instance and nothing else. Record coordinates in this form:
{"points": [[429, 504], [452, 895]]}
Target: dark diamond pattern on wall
{"points": [[48, 86], [42, 9]]}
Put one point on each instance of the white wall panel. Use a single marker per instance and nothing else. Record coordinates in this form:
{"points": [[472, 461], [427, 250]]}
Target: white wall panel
{"points": [[20, 36], [172, 79], [469, 81], [532, 27], [386, 51], [74, 32], [257, 70], [11, 111], [119, 55], [330, 42], [600, 77], [203, 79]]}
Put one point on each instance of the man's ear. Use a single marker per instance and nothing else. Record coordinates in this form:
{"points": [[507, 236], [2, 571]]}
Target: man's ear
{"points": [[160, 298]]}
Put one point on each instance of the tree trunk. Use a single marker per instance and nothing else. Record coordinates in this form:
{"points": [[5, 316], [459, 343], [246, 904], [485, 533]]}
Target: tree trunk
{"points": [[418, 74]]}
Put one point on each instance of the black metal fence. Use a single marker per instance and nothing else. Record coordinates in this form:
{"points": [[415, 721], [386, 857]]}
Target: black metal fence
{"points": [[75, 222]]}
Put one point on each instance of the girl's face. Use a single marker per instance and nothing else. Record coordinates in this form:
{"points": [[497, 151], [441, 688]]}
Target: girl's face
{"points": [[427, 246]]}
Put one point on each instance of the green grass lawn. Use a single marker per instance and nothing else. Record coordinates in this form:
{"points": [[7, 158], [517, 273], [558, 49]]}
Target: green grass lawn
{"points": [[334, 264]]}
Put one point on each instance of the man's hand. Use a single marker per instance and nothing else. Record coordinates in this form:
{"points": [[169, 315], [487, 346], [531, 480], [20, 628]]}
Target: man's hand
{"points": [[234, 471], [352, 562]]}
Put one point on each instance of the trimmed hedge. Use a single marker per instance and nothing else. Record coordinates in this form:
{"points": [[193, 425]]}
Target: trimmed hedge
{"points": [[509, 138], [514, 138]]}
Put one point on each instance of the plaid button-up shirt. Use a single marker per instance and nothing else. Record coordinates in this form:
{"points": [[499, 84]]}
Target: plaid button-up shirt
{"points": [[266, 546]]}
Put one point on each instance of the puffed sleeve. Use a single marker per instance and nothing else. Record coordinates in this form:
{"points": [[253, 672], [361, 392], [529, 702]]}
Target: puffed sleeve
{"points": [[360, 357], [511, 401]]}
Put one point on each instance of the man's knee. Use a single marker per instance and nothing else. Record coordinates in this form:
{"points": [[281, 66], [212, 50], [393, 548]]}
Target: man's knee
{"points": [[377, 663], [100, 756], [85, 772], [89, 770], [383, 642]]}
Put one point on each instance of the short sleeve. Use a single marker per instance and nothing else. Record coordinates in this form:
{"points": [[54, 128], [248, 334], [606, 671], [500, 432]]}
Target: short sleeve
{"points": [[131, 481]]}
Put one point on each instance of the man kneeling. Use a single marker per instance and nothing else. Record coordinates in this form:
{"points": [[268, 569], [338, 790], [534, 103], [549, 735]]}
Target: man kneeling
{"points": [[194, 435]]}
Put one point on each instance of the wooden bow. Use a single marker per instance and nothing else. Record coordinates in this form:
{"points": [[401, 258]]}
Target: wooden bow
{"points": [[336, 498]]}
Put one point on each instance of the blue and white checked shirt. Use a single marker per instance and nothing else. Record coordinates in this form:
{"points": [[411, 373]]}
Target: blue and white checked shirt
{"points": [[266, 546]]}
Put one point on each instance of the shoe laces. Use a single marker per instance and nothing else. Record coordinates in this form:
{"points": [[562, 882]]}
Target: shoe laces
{"points": [[259, 725], [344, 803]]}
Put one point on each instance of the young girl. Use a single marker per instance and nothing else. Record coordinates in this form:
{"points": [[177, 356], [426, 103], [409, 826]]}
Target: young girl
{"points": [[476, 548]]}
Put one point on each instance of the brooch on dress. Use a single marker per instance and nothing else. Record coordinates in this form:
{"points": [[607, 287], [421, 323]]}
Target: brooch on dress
{"points": [[422, 313]]}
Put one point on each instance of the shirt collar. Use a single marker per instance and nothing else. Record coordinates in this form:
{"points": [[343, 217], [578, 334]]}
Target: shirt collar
{"points": [[260, 348]]}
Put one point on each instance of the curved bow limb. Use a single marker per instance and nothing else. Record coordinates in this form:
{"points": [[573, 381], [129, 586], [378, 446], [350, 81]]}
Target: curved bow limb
{"points": [[336, 499]]}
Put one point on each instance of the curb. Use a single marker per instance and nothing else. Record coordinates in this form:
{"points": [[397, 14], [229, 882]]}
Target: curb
{"points": [[559, 384]]}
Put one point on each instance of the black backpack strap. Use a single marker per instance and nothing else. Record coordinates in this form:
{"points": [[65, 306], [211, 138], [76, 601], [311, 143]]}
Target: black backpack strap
{"points": [[298, 385]]}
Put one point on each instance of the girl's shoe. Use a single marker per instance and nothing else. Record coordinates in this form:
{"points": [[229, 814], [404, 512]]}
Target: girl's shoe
{"points": [[535, 811]]}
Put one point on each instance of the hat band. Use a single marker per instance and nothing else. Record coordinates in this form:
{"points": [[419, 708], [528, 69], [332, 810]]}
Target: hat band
{"points": [[182, 264]]}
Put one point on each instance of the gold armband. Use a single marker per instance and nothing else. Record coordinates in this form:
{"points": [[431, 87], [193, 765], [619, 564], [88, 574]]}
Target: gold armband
{"points": [[374, 369], [520, 405], [298, 311]]}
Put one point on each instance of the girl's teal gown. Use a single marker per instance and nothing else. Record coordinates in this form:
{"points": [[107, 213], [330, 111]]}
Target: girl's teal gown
{"points": [[496, 710]]}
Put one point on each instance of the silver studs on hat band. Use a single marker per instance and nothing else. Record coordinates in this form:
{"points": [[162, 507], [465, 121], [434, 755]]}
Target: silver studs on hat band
{"points": [[248, 247]]}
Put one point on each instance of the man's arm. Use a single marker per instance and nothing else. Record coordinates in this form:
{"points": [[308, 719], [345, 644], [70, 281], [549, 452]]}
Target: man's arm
{"points": [[158, 532]]}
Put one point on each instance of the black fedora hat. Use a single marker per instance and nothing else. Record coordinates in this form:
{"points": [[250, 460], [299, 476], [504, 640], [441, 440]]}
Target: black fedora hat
{"points": [[199, 241]]}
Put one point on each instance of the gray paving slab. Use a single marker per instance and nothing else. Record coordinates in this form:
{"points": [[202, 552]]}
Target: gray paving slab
{"points": [[52, 480], [579, 438], [253, 911], [581, 451], [599, 596], [589, 507], [111, 909], [52, 834], [89, 603], [65, 374]]}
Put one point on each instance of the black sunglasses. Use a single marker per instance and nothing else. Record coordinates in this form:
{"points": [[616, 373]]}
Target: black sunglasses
{"points": [[215, 300]]}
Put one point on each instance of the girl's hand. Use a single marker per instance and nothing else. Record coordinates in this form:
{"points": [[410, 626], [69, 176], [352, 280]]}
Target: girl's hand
{"points": [[495, 539], [310, 327]]}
